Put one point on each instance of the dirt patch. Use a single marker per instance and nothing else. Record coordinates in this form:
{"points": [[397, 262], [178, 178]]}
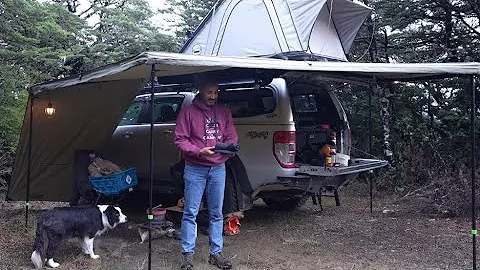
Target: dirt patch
{"points": [[344, 237]]}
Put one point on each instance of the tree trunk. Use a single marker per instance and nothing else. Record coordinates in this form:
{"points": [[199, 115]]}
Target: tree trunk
{"points": [[386, 116]]}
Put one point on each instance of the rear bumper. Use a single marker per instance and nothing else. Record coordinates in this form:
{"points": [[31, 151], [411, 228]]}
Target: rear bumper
{"points": [[314, 183], [311, 179]]}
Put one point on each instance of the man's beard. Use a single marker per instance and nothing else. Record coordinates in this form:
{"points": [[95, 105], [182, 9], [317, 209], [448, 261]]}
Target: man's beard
{"points": [[211, 102]]}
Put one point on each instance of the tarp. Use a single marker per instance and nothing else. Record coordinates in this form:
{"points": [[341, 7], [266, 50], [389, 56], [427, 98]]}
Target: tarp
{"points": [[321, 28], [89, 107]]}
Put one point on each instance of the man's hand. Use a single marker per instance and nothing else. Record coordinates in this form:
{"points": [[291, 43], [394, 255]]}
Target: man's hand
{"points": [[207, 151]]}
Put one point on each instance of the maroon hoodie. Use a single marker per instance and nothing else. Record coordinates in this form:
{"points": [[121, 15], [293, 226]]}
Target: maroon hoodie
{"points": [[196, 129]]}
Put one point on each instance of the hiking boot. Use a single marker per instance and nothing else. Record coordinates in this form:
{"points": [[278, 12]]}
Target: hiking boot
{"points": [[187, 263], [219, 261]]}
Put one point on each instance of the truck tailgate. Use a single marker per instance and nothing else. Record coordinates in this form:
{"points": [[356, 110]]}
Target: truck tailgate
{"points": [[356, 166]]}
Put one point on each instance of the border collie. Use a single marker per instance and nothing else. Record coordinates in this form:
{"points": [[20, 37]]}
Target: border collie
{"points": [[84, 222]]}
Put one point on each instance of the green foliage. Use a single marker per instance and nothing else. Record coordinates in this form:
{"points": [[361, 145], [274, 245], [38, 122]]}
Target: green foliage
{"points": [[430, 125], [44, 41], [190, 14], [123, 32], [33, 41]]}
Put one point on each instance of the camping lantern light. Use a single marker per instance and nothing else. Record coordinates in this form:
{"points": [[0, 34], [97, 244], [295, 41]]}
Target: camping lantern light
{"points": [[49, 110]]}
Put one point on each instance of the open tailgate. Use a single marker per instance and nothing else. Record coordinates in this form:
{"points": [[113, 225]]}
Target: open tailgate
{"points": [[356, 166]]}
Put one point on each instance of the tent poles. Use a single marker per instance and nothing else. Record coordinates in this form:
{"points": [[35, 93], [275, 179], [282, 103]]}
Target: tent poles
{"points": [[29, 163], [370, 126], [150, 215], [471, 87]]}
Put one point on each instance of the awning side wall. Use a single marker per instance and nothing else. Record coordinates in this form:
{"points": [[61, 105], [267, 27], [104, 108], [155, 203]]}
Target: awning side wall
{"points": [[86, 115]]}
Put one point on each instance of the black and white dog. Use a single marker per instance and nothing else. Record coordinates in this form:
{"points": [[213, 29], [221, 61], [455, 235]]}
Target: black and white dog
{"points": [[85, 222]]}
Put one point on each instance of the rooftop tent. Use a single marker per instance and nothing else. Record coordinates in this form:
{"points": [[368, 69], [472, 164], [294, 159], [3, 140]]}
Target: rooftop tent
{"points": [[90, 106], [318, 28]]}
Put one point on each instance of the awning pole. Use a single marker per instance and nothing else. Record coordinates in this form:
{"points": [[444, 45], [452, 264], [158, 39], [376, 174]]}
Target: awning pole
{"points": [[150, 215], [370, 126], [471, 87], [29, 163]]}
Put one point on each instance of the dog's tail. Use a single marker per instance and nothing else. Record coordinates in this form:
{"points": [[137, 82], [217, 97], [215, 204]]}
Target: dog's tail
{"points": [[40, 245]]}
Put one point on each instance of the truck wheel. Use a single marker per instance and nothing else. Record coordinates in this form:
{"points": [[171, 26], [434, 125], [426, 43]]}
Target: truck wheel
{"points": [[230, 200], [289, 204]]}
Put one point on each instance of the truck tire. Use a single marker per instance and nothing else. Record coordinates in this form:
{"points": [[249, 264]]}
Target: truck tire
{"points": [[289, 204], [230, 200]]}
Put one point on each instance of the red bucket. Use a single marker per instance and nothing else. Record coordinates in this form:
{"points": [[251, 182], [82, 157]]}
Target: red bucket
{"points": [[158, 215]]}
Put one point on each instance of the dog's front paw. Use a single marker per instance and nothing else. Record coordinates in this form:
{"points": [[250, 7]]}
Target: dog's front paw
{"points": [[52, 264], [94, 256]]}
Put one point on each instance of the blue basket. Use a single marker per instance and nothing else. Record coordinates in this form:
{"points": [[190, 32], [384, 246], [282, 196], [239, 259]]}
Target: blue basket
{"points": [[115, 183]]}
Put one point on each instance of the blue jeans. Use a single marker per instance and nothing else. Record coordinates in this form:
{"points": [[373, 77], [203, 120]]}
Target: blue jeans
{"points": [[197, 180]]}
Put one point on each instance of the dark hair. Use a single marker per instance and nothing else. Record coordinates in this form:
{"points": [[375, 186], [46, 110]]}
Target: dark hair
{"points": [[203, 80], [205, 84]]}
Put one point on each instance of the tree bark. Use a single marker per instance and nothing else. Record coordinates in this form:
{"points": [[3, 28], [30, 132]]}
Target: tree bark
{"points": [[386, 117]]}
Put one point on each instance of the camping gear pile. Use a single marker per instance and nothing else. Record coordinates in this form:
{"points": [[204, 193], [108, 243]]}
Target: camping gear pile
{"points": [[101, 167], [319, 146], [109, 180]]}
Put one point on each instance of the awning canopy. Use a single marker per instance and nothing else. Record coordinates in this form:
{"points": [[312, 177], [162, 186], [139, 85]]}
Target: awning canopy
{"points": [[173, 64]]}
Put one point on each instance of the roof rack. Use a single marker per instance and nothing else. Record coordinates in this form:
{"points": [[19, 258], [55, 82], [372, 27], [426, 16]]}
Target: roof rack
{"points": [[191, 87], [159, 88]]}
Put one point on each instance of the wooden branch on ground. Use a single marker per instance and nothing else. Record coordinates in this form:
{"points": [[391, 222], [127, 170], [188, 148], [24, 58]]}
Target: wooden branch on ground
{"points": [[417, 190]]}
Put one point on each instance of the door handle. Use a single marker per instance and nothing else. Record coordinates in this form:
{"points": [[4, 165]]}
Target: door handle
{"points": [[167, 131], [127, 134]]}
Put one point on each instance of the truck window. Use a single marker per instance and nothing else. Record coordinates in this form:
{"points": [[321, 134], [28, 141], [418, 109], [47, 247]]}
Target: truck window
{"points": [[305, 103], [247, 102], [166, 109], [133, 113], [314, 108]]}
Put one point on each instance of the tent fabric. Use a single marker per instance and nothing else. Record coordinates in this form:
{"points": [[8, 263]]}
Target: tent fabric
{"points": [[348, 17], [172, 64], [254, 44], [304, 14], [86, 115], [327, 42], [325, 28], [89, 107]]}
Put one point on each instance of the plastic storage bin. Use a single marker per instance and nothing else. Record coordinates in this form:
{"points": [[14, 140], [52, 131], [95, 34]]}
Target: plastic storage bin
{"points": [[114, 184]]}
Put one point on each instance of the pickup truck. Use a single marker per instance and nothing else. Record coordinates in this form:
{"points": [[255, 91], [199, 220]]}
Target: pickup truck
{"points": [[280, 135]]}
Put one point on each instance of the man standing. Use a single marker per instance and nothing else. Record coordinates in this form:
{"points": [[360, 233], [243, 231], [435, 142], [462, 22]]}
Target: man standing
{"points": [[199, 127]]}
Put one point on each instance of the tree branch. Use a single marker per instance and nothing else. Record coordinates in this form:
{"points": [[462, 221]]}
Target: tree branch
{"points": [[85, 11], [466, 24]]}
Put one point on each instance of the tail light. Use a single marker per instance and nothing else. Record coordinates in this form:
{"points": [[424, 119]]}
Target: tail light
{"points": [[284, 148]]}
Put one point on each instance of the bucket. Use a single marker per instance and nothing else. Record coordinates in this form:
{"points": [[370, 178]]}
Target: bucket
{"points": [[158, 215], [341, 159]]}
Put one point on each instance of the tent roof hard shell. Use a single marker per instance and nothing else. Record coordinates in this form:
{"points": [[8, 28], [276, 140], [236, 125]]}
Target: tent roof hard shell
{"points": [[320, 29]]}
